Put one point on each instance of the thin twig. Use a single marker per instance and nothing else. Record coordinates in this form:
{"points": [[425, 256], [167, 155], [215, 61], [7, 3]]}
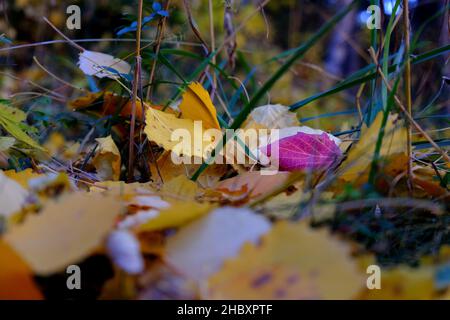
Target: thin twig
{"points": [[159, 37], [136, 81], [406, 27]]}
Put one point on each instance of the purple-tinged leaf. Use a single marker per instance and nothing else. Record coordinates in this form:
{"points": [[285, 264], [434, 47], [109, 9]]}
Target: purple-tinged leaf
{"points": [[305, 151]]}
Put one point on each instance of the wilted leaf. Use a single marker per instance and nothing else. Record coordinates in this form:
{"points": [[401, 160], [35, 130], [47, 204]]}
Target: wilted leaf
{"points": [[107, 160], [65, 232], [196, 104], [292, 262], [199, 249]]}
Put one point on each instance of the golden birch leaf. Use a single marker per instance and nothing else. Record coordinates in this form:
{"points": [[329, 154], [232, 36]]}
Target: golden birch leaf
{"points": [[65, 232], [196, 104], [292, 262], [169, 132]]}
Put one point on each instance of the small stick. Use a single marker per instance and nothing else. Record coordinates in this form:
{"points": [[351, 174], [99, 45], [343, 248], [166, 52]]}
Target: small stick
{"points": [[136, 80], [64, 36], [160, 35]]}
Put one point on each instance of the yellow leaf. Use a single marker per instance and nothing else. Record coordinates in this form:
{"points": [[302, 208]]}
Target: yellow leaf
{"points": [[65, 232], [16, 278], [292, 262], [107, 160], [196, 104], [177, 215], [161, 125], [180, 187], [361, 155]]}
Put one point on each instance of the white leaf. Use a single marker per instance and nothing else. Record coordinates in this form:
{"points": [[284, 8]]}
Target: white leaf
{"points": [[199, 249], [12, 196], [100, 64], [124, 249]]}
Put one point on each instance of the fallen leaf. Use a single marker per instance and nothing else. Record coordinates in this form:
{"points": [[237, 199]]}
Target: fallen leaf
{"points": [[271, 116], [180, 187], [292, 262], [199, 249], [102, 65], [23, 177], [250, 185], [124, 249], [178, 214], [12, 196], [161, 125], [361, 155], [305, 151], [11, 120], [65, 232], [16, 277], [107, 160], [196, 104]]}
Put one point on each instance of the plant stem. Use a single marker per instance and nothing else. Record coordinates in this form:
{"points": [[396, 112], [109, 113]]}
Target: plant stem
{"points": [[136, 80], [406, 27], [159, 37]]}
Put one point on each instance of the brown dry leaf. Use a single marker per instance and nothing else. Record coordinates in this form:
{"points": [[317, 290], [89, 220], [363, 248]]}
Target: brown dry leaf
{"points": [[360, 156], [16, 278], [292, 262], [107, 160], [196, 104], [65, 232]]}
